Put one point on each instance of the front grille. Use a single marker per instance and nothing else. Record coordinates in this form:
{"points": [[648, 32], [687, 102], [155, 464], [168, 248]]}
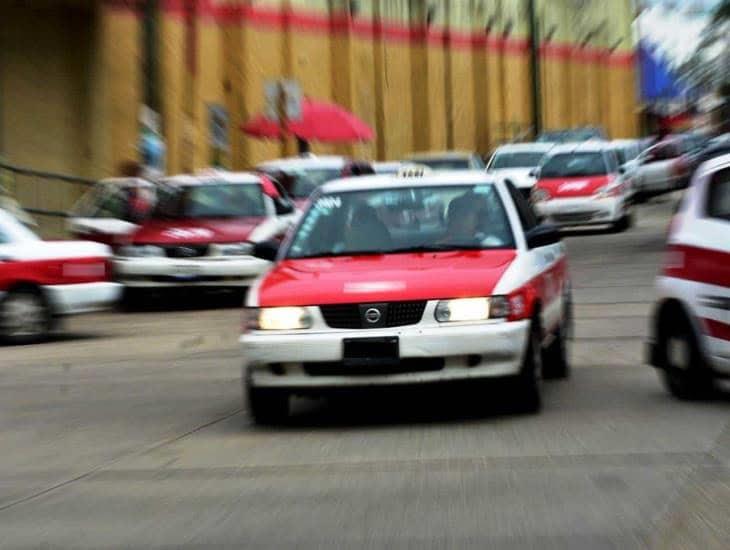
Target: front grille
{"points": [[338, 368], [187, 251], [398, 314]]}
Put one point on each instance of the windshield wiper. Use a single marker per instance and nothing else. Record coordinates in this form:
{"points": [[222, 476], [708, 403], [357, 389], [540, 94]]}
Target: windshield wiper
{"points": [[446, 247]]}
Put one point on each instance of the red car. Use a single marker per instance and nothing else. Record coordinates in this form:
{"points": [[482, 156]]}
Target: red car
{"points": [[203, 231], [42, 281], [359, 299]]}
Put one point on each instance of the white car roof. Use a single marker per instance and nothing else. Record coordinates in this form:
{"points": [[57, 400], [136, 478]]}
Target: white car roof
{"points": [[464, 177], [536, 147], [713, 165], [425, 155], [126, 182], [310, 161], [212, 177]]}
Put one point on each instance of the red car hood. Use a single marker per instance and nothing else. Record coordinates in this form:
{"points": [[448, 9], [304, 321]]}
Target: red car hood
{"points": [[195, 231], [394, 277], [573, 187]]}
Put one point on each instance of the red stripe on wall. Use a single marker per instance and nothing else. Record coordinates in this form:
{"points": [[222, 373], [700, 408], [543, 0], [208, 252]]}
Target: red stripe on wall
{"points": [[717, 329], [702, 265]]}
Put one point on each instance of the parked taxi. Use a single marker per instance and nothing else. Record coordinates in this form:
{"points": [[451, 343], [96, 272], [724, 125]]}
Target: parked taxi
{"points": [[41, 281], [690, 330], [582, 184], [466, 286]]}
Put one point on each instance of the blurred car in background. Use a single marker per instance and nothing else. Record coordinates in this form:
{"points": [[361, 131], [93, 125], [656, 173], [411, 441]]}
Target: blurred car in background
{"points": [[112, 209], [574, 135], [516, 161], [716, 147], [665, 167], [448, 160], [203, 233], [582, 184], [301, 175], [360, 298], [690, 329], [41, 281]]}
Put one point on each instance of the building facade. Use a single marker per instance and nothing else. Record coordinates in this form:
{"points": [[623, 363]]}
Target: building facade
{"points": [[425, 74]]}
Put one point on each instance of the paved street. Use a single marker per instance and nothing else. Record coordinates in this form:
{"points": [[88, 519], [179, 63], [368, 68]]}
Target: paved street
{"points": [[128, 432]]}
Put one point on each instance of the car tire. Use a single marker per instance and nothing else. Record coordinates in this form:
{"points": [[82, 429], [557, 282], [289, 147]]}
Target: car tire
{"points": [[626, 221], [684, 370], [556, 362], [132, 299], [25, 317], [527, 384], [267, 406]]}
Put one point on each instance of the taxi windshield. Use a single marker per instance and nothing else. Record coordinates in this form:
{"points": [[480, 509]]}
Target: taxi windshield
{"points": [[408, 219], [565, 165], [525, 159], [212, 200]]}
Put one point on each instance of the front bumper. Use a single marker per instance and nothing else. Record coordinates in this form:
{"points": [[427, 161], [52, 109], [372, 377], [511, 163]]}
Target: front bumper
{"points": [[581, 211], [82, 298], [465, 351], [234, 271]]}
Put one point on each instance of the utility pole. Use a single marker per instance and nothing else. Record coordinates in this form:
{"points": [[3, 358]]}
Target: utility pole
{"points": [[535, 68]]}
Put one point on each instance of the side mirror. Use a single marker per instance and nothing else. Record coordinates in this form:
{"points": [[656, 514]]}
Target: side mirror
{"points": [[283, 206], [542, 235], [535, 173], [622, 169], [266, 250]]}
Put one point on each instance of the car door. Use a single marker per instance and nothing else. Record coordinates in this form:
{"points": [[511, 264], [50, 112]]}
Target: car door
{"points": [[655, 171], [550, 262], [712, 233]]}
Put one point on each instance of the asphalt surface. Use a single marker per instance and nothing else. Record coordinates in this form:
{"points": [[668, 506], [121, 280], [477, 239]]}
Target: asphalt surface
{"points": [[128, 432]]}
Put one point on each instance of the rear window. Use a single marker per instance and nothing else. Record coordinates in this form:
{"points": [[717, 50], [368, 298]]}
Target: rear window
{"points": [[565, 165], [718, 199], [524, 159]]}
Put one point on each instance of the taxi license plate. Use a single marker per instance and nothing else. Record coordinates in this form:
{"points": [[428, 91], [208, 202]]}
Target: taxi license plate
{"points": [[365, 352]]}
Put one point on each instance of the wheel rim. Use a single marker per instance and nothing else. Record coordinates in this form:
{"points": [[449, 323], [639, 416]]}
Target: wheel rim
{"points": [[23, 316], [678, 352]]}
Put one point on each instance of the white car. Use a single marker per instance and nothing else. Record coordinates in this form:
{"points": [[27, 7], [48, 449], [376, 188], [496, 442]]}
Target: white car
{"points": [[377, 288], [305, 173], [582, 184], [447, 160], [516, 162], [387, 167], [204, 232], [663, 167], [690, 330], [42, 281]]}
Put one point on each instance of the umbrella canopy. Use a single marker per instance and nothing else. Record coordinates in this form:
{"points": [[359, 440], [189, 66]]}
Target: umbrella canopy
{"points": [[320, 121]]}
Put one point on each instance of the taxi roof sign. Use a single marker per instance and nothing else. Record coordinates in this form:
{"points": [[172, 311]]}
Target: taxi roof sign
{"points": [[413, 170]]}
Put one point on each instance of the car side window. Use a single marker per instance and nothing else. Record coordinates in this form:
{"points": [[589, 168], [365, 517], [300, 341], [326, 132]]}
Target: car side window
{"points": [[718, 196], [524, 210], [611, 162], [4, 237]]}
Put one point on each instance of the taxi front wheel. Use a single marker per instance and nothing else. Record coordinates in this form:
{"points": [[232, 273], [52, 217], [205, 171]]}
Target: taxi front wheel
{"points": [[527, 384], [267, 406]]}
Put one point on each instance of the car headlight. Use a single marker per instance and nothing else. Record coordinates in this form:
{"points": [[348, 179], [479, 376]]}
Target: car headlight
{"points": [[472, 309], [276, 318], [539, 195], [611, 190], [141, 251], [235, 249]]}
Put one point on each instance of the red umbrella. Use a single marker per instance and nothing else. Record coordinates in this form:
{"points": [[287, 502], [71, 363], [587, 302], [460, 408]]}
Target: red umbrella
{"points": [[320, 121]]}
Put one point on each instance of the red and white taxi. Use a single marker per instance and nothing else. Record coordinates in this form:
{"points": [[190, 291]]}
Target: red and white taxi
{"points": [[466, 286], [41, 281], [582, 184], [203, 232], [690, 340]]}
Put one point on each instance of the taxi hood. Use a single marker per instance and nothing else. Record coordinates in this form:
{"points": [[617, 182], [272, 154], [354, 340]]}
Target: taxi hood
{"points": [[160, 231], [581, 186], [384, 278], [519, 176]]}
